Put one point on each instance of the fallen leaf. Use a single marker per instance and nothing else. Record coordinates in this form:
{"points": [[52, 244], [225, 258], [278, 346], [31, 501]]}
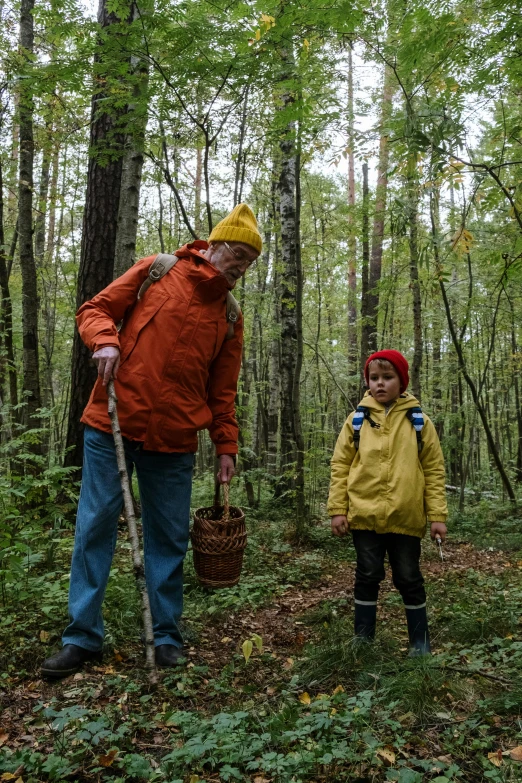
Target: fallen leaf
{"points": [[3, 739], [304, 698], [516, 753], [7, 776], [288, 664], [495, 759], [338, 689], [45, 636], [107, 760], [226, 639], [194, 779], [388, 756], [261, 780]]}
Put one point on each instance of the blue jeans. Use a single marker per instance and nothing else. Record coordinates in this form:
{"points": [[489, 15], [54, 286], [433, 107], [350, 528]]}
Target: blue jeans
{"points": [[165, 484]]}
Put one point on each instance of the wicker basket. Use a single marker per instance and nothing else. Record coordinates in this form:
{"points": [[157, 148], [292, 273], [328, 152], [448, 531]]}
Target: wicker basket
{"points": [[218, 541]]}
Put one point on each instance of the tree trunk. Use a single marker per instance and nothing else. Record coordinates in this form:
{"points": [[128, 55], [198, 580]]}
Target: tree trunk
{"points": [[380, 210], [239, 160], [291, 317], [31, 376], [100, 222], [7, 361], [413, 201], [518, 408], [132, 163], [198, 226], [365, 304], [274, 395], [352, 247], [43, 192]]}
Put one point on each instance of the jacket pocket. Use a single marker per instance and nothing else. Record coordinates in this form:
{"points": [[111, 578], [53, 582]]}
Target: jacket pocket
{"points": [[141, 316]]}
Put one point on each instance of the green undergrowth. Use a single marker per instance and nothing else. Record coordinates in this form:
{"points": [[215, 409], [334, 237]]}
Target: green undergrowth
{"points": [[324, 709], [487, 524]]}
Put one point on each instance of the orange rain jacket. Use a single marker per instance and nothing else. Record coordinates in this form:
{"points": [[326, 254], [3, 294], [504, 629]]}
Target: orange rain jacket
{"points": [[178, 373]]}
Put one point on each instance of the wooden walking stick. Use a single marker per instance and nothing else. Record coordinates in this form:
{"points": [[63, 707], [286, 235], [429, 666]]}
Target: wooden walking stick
{"points": [[139, 571]]}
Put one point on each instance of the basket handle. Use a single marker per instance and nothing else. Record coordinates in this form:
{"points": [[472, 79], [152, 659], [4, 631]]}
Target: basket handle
{"points": [[226, 502]]}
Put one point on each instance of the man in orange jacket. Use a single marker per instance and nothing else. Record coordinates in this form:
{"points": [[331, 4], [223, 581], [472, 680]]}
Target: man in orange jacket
{"points": [[175, 363]]}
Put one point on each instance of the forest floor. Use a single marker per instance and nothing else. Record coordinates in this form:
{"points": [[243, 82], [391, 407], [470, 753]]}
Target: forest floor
{"points": [[307, 705]]}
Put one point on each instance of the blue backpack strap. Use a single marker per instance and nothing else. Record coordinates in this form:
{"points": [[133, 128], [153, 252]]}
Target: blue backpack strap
{"points": [[357, 422], [416, 417], [359, 416]]}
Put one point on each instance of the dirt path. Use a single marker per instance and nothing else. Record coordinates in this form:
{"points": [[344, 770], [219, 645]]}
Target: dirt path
{"points": [[284, 633]]}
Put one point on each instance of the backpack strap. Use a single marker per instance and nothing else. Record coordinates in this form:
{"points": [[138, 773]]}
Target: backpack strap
{"points": [[233, 313], [417, 419], [162, 264], [361, 413]]}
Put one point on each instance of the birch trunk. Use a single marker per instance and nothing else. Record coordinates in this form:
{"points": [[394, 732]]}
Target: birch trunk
{"points": [[292, 447], [132, 164]]}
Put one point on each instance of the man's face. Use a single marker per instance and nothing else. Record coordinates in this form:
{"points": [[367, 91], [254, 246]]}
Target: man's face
{"points": [[232, 259], [384, 381]]}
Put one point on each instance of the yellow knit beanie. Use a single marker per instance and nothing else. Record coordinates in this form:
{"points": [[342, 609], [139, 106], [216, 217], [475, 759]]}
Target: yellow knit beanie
{"points": [[239, 226]]}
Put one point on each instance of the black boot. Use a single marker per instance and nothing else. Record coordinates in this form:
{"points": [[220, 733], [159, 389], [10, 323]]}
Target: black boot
{"points": [[68, 661], [365, 618], [418, 632], [167, 655]]}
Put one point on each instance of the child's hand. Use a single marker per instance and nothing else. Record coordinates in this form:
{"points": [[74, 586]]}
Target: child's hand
{"points": [[340, 526], [437, 529]]}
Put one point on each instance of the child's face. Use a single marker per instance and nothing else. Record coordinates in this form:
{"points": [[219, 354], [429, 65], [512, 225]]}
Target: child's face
{"points": [[385, 384]]}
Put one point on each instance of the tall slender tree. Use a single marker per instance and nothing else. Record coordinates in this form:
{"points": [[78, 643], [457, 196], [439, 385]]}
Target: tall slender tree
{"points": [[100, 218], [31, 374]]}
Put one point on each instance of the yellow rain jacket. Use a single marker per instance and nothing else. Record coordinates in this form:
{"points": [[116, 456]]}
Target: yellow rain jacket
{"points": [[387, 485]]}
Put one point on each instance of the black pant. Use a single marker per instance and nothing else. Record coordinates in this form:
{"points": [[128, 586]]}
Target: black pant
{"points": [[404, 555]]}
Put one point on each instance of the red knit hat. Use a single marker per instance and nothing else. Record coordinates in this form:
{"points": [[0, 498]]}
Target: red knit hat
{"points": [[394, 357]]}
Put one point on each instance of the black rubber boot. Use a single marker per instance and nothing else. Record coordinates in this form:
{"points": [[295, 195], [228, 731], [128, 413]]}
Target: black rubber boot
{"points": [[68, 661], [168, 656], [365, 619], [418, 632]]}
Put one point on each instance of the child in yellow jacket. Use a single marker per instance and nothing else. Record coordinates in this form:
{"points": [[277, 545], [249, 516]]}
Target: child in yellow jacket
{"points": [[387, 480]]}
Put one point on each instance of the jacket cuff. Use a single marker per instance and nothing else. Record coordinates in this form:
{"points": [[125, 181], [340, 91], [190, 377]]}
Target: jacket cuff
{"points": [[432, 521], [226, 448], [334, 512]]}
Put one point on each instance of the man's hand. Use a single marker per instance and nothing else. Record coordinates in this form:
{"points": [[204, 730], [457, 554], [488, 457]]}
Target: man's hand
{"points": [[438, 529], [227, 469], [108, 362], [340, 526]]}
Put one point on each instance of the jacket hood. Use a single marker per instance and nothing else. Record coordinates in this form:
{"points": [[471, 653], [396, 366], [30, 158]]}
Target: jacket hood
{"points": [[405, 401]]}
